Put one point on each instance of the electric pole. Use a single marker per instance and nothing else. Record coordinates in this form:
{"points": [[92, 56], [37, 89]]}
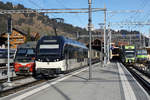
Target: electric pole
{"points": [[9, 28], [109, 42], [90, 36], [149, 39], [105, 36]]}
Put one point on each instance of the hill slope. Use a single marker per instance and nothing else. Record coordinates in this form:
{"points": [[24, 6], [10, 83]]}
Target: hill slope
{"points": [[37, 22]]}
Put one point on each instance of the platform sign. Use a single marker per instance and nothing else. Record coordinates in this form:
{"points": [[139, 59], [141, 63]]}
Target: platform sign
{"points": [[9, 25]]}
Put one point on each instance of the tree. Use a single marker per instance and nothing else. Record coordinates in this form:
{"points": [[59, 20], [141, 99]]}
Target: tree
{"points": [[28, 35]]}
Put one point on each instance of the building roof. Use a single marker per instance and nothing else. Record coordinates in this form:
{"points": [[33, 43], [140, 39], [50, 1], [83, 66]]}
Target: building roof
{"points": [[21, 32]]}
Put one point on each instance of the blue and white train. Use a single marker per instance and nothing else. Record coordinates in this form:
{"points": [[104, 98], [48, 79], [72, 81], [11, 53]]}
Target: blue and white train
{"points": [[58, 54], [4, 57]]}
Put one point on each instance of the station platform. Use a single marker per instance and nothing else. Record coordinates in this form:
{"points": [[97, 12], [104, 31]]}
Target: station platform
{"points": [[111, 82]]}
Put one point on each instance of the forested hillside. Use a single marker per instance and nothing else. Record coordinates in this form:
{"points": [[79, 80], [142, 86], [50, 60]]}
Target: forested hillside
{"points": [[37, 22]]}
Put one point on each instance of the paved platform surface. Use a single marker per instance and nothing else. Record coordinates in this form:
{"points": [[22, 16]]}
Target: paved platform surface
{"points": [[112, 82]]}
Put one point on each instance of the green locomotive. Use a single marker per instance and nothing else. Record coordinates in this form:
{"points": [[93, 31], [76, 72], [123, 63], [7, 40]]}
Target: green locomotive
{"points": [[128, 55], [141, 56]]}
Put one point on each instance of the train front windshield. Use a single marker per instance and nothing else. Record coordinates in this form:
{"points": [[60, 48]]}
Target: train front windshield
{"points": [[130, 54], [49, 52], [115, 51], [25, 55], [141, 52]]}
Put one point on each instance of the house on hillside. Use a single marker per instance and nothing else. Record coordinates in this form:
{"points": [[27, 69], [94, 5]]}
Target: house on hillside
{"points": [[16, 38]]}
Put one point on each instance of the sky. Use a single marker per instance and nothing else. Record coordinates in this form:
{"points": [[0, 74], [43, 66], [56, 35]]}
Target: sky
{"points": [[81, 19]]}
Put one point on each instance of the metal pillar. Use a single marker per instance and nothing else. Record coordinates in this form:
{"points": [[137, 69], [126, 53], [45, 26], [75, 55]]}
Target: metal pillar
{"points": [[110, 37], [140, 40], [9, 32], [105, 36], [149, 39], [109, 43], [8, 63], [144, 42], [89, 31], [130, 39]]}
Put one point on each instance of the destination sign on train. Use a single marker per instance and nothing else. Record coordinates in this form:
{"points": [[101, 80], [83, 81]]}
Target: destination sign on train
{"points": [[49, 40]]}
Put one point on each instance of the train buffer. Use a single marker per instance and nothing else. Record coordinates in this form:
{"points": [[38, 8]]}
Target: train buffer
{"points": [[112, 82]]}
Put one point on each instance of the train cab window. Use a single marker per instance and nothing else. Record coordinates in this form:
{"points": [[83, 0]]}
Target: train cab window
{"points": [[30, 52], [21, 51], [25, 52]]}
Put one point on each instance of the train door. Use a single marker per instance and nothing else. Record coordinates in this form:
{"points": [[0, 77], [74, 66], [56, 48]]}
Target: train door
{"points": [[66, 57]]}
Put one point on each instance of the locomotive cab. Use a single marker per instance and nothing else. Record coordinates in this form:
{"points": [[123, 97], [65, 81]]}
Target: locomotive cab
{"points": [[24, 62]]}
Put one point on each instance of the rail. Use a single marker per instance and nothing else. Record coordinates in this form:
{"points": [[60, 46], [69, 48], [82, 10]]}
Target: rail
{"points": [[141, 78]]}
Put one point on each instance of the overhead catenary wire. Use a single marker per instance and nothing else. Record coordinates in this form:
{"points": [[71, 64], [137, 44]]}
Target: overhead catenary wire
{"points": [[49, 11], [78, 17], [137, 16], [68, 10], [37, 5]]}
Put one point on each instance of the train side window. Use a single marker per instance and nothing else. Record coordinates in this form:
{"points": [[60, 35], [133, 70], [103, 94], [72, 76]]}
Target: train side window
{"points": [[73, 52], [66, 52], [69, 51]]}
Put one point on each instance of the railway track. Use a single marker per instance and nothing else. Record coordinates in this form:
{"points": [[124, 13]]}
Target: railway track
{"points": [[21, 87], [141, 78], [29, 84], [146, 72], [13, 78]]}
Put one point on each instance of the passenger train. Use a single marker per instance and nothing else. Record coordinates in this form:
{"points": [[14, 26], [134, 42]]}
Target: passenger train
{"points": [[128, 55], [58, 54], [141, 56], [4, 56]]}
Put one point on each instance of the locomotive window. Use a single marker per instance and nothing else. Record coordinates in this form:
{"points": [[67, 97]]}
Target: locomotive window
{"points": [[144, 52], [22, 51], [138, 52], [30, 52]]}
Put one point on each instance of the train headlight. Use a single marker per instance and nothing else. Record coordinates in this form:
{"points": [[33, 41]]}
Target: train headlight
{"points": [[56, 60]]}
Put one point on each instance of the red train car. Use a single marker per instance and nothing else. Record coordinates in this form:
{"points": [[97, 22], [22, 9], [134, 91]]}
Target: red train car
{"points": [[24, 62]]}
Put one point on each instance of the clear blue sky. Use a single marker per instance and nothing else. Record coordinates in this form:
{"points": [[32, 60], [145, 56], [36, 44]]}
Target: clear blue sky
{"points": [[81, 20]]}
